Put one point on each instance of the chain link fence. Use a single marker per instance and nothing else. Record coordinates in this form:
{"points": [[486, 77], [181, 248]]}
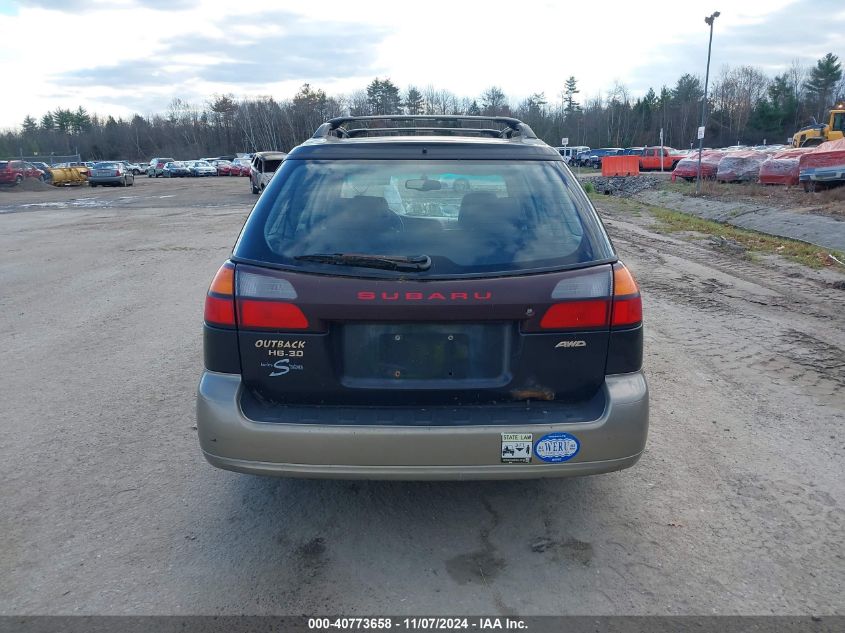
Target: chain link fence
{"points": [[53, 159]]}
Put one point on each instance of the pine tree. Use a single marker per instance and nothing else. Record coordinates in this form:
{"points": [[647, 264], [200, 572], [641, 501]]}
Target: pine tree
{"points": [[413, 101], [822, 82], [80, 121], [47, 122], [29, 125], [383, 97], [63, 119], [569, 92]]}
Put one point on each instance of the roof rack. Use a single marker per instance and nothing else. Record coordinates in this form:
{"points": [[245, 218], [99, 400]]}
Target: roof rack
{"points": [[450, 125]]}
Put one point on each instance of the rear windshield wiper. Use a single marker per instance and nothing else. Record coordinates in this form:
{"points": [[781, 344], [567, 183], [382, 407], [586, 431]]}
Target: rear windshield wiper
{"points": [[386, 262]]}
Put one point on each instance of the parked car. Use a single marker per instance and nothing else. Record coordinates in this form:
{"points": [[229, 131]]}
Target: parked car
{"points": [[349, 335], [581, 157], [223, 167], [596, 155], [656, 158], [783, 168], [740, 166], [156, 167], [593, 157], [175, 169], [201, 168], [570, 151], [687, 167], [264, 165], [135, 168], [113, 173], [241, 165], [823, 167], [16, 171], [44, 168]]}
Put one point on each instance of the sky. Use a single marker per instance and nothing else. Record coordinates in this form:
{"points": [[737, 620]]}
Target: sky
{"points": [[121, 57]]}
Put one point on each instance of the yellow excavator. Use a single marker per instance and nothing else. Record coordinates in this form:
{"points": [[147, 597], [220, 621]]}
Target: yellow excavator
{"points": [[818, 133]]}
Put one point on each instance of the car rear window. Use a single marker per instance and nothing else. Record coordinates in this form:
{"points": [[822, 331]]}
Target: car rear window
{"points": [[3, 164], [469, 217]]}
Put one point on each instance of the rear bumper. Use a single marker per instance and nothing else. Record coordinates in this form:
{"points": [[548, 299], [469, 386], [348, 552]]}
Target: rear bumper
{"points": [[230, 440], [106, 180], [823, 174]]}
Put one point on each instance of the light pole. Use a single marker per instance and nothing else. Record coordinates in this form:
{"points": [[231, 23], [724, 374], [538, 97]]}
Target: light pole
{"points": [[709, 20]]}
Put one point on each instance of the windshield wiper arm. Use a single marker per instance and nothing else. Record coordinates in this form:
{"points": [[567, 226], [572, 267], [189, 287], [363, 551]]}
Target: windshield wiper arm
{"points": [[386, 262]]}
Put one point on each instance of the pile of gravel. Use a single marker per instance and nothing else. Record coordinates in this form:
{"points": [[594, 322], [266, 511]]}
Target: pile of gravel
{"points": [[28, 184], [624, 185]]}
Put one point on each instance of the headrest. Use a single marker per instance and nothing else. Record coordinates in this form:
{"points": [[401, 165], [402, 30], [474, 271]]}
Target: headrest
{"points": [[486, 212]]}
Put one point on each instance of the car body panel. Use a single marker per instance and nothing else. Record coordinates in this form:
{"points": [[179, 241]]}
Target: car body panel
{"points": [[229, 439]]}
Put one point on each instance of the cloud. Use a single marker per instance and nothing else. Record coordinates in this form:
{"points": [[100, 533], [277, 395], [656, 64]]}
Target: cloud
{"points": [[296, 50], [87, 6], [801, 31]]}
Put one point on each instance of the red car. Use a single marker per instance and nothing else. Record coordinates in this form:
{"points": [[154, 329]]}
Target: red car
{"points": [[687, 168], [783, 168], [14, 171], [224, 167], [240, 167]]}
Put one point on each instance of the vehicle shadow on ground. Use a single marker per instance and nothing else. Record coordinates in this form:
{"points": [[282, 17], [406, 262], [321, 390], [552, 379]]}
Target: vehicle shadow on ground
{"points": [[303, 541]]}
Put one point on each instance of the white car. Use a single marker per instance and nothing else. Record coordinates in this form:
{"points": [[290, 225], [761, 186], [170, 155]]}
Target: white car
{"points": [[264, 165], [570, 151], [201, 168]]}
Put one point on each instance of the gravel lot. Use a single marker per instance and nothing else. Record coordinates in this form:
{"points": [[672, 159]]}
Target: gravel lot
{"points": [[109, 507]]}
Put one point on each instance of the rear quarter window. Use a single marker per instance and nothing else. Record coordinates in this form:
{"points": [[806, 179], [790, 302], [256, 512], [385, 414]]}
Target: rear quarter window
{"points": [[469, 217]]}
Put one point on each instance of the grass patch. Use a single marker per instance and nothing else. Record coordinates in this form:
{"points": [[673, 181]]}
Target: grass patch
{"points": [[739, 240], [589, 187], [832, 195], [807, 254]]}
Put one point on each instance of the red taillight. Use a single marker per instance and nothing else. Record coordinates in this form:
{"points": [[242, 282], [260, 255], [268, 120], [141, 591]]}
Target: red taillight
{"points": [[265, 302], [220, 300], [219, 311], [270, 315], [627, 311], [576, 314], [627, 302]]}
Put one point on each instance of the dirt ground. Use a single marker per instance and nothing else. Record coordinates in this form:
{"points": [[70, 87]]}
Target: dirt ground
{"points": [[737, 506]]}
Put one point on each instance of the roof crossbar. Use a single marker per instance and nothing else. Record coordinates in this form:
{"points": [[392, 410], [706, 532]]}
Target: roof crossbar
{"points": [[419, 131], [450, 125]]}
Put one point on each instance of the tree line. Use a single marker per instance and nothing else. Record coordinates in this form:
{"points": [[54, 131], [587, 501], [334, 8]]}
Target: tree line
{"points": [[745, 106]]}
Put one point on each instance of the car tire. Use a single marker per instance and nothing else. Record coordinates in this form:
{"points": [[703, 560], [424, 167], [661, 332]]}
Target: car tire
{"points": [[92, 184], [18, 179], [254, 188]]}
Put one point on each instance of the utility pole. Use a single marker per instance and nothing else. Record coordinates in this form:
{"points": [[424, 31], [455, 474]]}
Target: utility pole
{"points": [[709, 20]]}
